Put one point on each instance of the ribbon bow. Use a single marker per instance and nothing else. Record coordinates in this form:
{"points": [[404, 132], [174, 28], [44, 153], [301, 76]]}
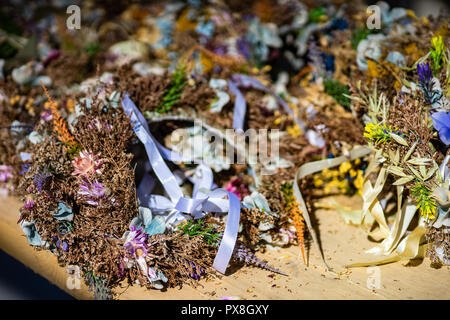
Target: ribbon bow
{"points": [[203, 198]]}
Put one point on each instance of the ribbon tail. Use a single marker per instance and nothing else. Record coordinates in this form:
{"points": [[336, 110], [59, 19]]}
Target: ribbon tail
{"points": [[160, 168], [226, 247], [410, 248], [313, 167], [240, 106]]}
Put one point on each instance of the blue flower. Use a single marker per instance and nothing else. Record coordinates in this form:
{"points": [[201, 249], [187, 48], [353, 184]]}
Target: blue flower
{"points": [[339, 24], [441, 122], [431, 94], [25, 168], [424, 72], [328, 61]]}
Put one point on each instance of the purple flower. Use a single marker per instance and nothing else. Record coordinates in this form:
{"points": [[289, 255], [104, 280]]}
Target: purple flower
{"points": [[441, 122], [244, 255], [426, 84], [243, 47], [424, 72], [220, 50], [6, 173], [64, 246], [136, 240], [47, 115], [92, 192], [28, 204], [25, 168], [196, 271], [41, 178], [52, 54], [120, 263]]}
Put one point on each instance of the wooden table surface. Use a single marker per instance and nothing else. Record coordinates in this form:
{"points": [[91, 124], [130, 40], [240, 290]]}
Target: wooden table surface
{"points": [[342, 244]]}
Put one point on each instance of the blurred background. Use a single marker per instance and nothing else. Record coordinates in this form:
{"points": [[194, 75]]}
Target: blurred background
{"points": [[420, 7], [19, 282]]}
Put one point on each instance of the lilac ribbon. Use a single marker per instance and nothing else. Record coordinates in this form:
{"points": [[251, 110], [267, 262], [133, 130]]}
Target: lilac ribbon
{"points": [[203, 198], [240, 106], [242, 80]]}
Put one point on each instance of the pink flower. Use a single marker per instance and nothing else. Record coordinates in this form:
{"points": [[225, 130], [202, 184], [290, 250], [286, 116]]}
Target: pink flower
{"points": [[87, 164], [238, 188], [28, 204], [47, 115], [6, 173]]}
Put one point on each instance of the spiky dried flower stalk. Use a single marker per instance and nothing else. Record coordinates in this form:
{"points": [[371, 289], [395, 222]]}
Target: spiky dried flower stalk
{"points": [[99, 285], [244, 255], [296, 215], [59, 124], [41, 178]]}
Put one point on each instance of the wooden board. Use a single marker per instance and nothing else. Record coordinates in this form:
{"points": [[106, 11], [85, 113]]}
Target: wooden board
{"points": [[342, 244]]}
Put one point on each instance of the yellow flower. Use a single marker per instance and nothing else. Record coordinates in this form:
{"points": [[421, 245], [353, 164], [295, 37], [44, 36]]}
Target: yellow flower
{"points": [[345, 167], [358, 182], [266, 68], [14, 99], [428, 212], [335, 173], [379, 133], [48, 105], [334, 183], [294, 131], [437, 44], [369, 130], [343, 185], [318, 182], [70, 105], [327, 173], [411, 14], [352, 173], [437, 53], [29, 106], [375, 70]]}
